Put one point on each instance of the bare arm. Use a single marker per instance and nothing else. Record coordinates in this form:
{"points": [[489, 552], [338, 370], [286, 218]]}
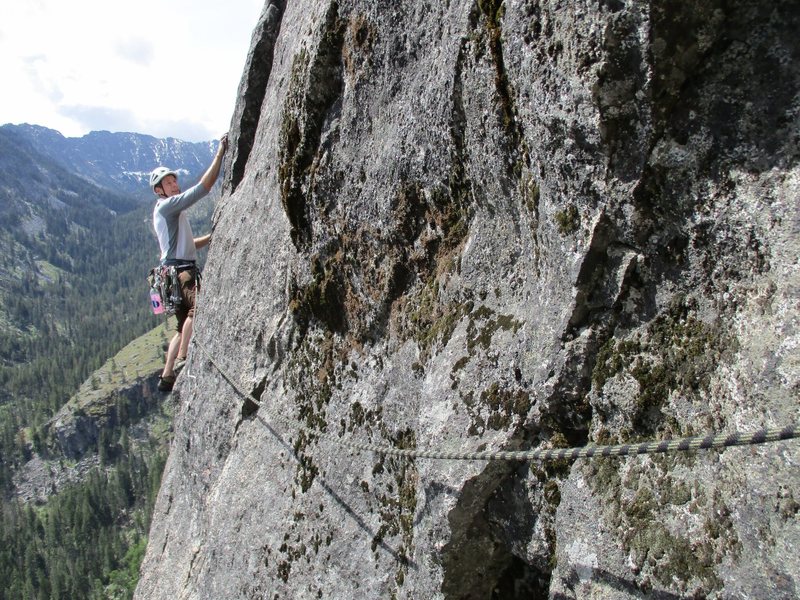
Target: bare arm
{"points": [[202, 241], [211, 174]]}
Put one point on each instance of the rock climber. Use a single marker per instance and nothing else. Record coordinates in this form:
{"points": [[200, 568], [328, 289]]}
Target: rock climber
{"points": [[179, 249]]}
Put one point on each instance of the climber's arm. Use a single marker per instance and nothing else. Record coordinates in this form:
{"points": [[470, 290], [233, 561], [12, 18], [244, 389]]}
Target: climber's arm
{"points": [[211, 174], [202, 241]]}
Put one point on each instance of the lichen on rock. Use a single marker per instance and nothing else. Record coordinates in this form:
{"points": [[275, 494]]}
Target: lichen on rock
{"points": [[479, 225]]}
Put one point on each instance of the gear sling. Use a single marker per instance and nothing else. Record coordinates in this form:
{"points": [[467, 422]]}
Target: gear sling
{"points": [[165, 288]]}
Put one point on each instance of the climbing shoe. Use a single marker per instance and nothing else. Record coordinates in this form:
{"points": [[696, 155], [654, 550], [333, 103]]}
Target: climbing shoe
{"points": [[179, 364], [165, 383]]}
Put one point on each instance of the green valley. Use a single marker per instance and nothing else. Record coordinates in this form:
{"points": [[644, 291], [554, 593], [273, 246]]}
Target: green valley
{"points": [[83, 431]]}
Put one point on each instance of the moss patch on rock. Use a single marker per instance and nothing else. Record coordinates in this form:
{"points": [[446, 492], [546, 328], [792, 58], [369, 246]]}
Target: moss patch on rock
{"points": [[398, 504], [568, 220], [647, 507], [497, 408], [678, 353], [312, 373]]}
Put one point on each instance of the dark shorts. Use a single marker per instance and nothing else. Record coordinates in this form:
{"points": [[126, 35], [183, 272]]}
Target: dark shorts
{"points": [[188, 281]]}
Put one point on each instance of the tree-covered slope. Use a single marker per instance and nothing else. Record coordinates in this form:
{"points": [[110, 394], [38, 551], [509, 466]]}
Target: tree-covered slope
{"points": [[73, 262]]}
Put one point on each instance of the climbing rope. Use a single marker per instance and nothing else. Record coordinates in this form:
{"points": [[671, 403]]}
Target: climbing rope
{"points": [[723, 440]]}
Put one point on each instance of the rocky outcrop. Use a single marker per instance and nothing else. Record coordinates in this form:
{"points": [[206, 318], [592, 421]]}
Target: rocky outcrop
{"points": [[85, 434], [480, 225], [77, 428]]}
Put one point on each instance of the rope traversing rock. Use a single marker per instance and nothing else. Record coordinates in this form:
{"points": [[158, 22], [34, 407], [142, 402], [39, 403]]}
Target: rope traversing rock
{"points": [[722, 440]]}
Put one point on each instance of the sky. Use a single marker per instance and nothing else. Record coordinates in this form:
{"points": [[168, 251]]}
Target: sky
{"points": [[167, 68]]}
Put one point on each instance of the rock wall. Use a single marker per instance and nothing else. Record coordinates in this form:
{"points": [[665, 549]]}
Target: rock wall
{"points": [[77, 428], [495, 225], [74, 436]]}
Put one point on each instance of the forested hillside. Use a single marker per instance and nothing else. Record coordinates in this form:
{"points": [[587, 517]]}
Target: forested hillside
{"points": [[73, 262], [87, 541], [71, 291]]}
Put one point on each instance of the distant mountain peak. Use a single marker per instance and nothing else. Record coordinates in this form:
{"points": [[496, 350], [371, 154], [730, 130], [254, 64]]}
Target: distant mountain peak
{"points": [[118, 161]]}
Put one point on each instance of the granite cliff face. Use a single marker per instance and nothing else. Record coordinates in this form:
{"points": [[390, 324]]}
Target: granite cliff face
{"points": [[484, 225]]}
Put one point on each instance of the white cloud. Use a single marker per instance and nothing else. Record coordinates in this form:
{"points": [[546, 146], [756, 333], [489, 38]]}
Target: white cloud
{"points": [[36, 68], [165, 67], [136, 50], [103, 118], [97, 118]]}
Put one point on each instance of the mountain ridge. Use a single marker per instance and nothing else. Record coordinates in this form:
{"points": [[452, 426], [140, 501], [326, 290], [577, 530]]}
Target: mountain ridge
{"points": [[119, 161]]}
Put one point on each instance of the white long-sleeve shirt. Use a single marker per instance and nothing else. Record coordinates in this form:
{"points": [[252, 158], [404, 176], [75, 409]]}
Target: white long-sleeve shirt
{"points": [[172, 225]]}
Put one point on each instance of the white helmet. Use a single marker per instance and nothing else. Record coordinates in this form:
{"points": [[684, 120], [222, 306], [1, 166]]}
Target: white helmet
{"points": [[158, 174]]}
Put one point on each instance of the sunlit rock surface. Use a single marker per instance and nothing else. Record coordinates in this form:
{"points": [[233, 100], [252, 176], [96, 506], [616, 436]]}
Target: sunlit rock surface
{"points": [[484, 225]]}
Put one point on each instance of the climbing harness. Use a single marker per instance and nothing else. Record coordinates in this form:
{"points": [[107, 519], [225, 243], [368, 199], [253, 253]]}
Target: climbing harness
{"points": [[165, 286], [165, 289], [722, 440]]}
